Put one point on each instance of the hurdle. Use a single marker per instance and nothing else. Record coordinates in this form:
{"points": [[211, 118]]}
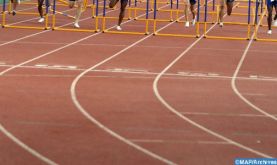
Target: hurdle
{"points": [[197, 33], [146, 20], [174, 13], [248, 25], [6, 25], [84, 8], [258, 24]]}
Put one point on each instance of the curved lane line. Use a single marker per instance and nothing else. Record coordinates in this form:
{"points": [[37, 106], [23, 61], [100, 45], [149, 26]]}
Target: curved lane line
{"points": [[170, 108], [234, 87], [10, 135]]}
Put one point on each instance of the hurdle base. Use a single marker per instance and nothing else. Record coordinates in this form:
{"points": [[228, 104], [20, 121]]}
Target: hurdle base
{"points": [[226, 38]]}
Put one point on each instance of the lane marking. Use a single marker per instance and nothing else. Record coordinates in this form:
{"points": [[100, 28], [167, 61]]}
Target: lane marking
{"points": [[137, 71], [177, 113], [224, 114], [178, 141], [25, 147], [44, 123], [235, 89], [35, 153], [45, 31], [2, 128], [99, 124]]}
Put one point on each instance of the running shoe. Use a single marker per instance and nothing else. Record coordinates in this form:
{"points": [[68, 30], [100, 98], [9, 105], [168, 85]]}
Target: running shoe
{"points": [[13, 13], [76, 25], [193, 21], [41, 20], [118, 28], [187, 24], [269, 32]]}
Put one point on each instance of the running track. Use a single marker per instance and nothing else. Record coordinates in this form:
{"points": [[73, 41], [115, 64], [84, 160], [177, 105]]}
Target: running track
{"points": [[88, 99]]}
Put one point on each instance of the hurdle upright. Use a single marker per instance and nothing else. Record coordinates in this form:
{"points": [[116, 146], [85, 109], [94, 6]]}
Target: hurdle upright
{"points": [[248, 24], [197, 33], [258, 25], [146, 22], [84, 8], [6, 25]]}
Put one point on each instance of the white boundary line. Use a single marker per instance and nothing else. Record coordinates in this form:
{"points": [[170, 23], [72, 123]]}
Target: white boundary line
{"points": [[179, 114], [99, 124], [233, 83], [25, 147], [2, 128], [37, 154], [44, 31], [168, 75]]}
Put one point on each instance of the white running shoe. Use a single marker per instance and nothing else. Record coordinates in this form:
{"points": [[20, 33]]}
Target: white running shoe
{"points": [[221, 24], [41, 20], [118, 28], [187, 24], [76, 25], [269, 32], [193, 21], [275, 23]]}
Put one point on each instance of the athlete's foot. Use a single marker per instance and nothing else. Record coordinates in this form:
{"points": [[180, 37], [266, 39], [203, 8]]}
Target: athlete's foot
{"points": [[269, 32], [193, 22], [41, 20], [13, 13], [221, 24], [118, 28], [187, 24], [76, 25]]}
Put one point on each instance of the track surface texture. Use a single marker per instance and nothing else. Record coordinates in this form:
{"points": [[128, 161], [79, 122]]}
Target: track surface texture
{"points": [[87, 98]]}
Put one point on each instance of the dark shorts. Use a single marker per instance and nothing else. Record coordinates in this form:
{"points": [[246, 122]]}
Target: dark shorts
{"points": [[114, 2], [192, 2], [270, 4], [230, 1]]}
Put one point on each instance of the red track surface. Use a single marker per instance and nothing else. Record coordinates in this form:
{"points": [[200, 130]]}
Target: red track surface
{"points": [[38, 107]]}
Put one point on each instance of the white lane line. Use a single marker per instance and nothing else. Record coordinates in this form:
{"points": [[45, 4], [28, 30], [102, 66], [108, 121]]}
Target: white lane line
{"points": [[140, 72], [38, 155], [35, 34], [235, 89], [253, 94], [223, 114], [25, 147], [179, 114], [2, 128], [178, 141], [41, 65], [99, 124]]}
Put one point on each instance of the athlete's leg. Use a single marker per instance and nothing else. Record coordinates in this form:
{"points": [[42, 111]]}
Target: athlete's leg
{"points": [[71, 4], [113, 3], [221, 12], [269, 17], [275, 17], [192, 9], [122, 11], [78, 13], [186, 12], [15, 3], [229, 4], [40, 10]]}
